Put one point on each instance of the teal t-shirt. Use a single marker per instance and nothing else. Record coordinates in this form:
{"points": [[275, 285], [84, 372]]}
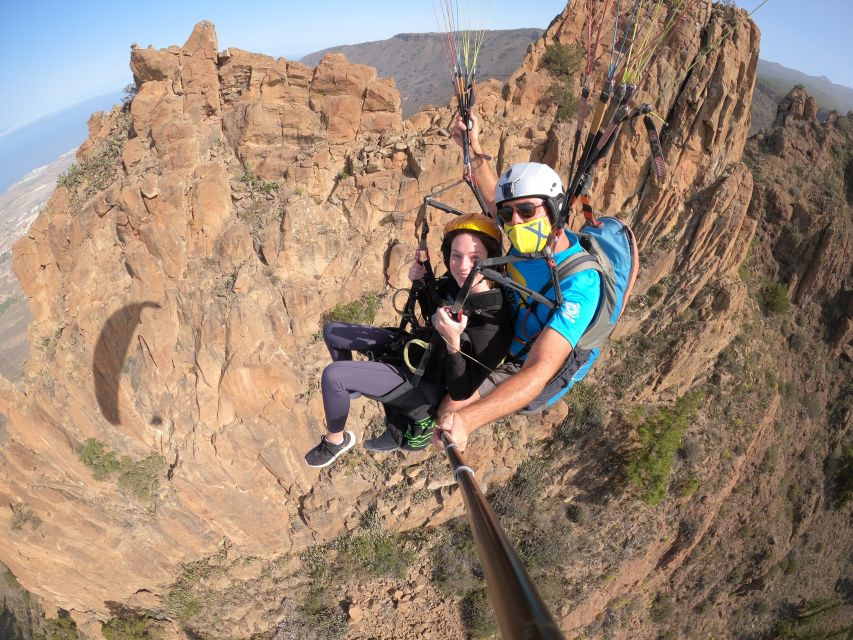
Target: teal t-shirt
{"points": [[581, 294]]}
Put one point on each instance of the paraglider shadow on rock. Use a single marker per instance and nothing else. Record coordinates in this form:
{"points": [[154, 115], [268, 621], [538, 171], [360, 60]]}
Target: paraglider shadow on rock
{"points": [[110, 354]]}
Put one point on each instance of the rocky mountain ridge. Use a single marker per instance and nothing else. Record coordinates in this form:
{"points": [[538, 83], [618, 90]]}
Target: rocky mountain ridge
{"points": [[418, 63], [178, 282]]}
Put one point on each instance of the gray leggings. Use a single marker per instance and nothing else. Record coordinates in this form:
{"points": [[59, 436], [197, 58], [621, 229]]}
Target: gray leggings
{"points": [[344, 375]]}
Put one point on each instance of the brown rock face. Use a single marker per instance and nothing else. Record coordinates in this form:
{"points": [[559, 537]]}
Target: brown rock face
{"points": [[805, 190], [178, 290], [797, 105]]}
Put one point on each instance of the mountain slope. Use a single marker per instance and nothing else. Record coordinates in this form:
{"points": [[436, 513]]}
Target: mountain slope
{"points": [[829, 96], [417, 61]]}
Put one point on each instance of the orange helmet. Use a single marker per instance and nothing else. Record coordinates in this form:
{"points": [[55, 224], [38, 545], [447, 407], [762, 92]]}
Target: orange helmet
{"points": [[486, 228]]}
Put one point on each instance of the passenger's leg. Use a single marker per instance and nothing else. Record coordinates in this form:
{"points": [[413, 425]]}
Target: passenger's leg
{"points": [[338, 381], [342, 339], [344, 377]]}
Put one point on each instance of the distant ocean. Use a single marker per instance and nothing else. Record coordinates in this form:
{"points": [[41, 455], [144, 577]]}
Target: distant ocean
{"points": [[38, 143]]}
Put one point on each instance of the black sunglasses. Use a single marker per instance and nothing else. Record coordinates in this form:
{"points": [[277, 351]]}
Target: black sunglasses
{"points": [[526, 210]]}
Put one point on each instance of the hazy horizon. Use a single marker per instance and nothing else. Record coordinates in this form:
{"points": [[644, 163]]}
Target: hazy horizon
{"points": [[41, 141]]}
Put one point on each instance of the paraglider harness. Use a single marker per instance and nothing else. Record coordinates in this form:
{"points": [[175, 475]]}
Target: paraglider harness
{"points": [[417, 346]]}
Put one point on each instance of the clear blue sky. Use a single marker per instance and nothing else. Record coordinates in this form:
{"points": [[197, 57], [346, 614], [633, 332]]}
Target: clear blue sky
{"points": [[53, 54]]}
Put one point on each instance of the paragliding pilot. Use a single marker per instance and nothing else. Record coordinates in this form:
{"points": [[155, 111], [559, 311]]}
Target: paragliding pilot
{"points": [[554, 345]]}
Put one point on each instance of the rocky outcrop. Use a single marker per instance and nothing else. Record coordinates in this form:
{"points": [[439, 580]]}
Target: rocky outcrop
{"points": [[179, 287], [805, 196], [797, 105]]}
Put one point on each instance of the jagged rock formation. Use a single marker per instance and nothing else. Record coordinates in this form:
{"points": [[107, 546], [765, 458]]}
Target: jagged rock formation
{"points": [[178, 286], [806, 193]]}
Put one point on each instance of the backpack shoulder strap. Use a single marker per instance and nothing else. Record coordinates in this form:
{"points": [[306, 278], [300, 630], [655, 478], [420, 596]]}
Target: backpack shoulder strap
{"points": [[576, 264]]}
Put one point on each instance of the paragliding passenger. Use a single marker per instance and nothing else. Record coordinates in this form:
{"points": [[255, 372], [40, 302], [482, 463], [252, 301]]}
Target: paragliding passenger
{"points": [[463, 353], [543, 361]]}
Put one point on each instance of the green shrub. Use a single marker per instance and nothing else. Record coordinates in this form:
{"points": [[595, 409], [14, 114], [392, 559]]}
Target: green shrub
{"points": [[141, 479], [797, 342], [775, 299], [578, 513], [368, 552], [100, 460], [50, 342], [567, 102], [256, 184], [691, 452], [361, 311], [376, 553], [771, 459], [61, 628], [540, 546], [517, 497], [562, 60], [563, 63], [655, 293], [477, 616], [688, 528], [586, 413], [689, 486], [661, 609], [812, 620], [100, 169], [455, 566], [660, 437], [126, 628], [840, 473], [70, 178], [187, 594], [22, 515], [324, 615], [790, 564]]}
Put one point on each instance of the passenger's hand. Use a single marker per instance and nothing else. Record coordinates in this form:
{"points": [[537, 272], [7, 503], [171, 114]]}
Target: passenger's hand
{"points": [[450, 329], [417, 271], [458, 129], [454, 424]]}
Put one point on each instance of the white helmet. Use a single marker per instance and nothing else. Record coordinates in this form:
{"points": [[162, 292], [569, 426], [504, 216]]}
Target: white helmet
{"points": [[528, 179]]}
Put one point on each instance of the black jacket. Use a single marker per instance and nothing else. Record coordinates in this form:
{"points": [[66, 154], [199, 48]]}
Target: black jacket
{"points": [[486, 339]]}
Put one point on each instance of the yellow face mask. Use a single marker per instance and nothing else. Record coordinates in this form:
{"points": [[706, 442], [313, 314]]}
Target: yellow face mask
{"points": [[530, 236]]}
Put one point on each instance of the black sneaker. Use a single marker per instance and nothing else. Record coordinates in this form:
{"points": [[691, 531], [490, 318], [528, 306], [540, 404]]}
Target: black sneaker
{"points": [[386, 442], [327, 452]]}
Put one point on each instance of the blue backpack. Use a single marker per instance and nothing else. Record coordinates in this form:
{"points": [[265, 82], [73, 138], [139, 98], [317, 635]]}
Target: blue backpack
{"points": [[610, 248]]}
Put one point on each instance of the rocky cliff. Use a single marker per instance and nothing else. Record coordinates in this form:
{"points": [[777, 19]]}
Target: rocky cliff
{"points": [[179, 277]]}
